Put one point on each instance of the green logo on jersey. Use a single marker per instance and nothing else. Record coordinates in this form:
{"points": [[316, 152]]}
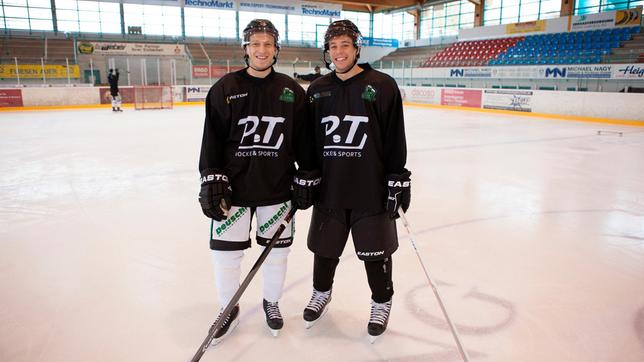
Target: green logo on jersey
{"points": [[287, 95], [369, 94], [230, 221]]}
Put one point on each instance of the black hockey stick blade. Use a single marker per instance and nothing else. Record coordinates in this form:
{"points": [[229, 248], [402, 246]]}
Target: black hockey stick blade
{"points": [[242, 287]]}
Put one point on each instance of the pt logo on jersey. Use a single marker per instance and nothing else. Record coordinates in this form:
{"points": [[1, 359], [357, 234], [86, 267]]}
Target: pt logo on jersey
{"points": [[261, 134], [345, 138], [287, 95], [369, 94]]}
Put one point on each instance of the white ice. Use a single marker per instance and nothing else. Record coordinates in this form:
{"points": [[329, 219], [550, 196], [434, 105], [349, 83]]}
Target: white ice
{"points": [[533, 230]]}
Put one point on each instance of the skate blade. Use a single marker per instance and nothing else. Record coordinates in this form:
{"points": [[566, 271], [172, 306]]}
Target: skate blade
{"points": [[217, 341], [275, 332], [310, 324], [372, 338]]}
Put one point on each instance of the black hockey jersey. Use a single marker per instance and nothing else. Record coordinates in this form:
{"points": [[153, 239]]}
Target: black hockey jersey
{"points": [[254, 132], [359, 137]]}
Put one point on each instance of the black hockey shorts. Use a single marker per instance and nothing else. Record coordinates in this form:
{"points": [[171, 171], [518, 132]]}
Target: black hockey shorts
{"points": [[374, 233], [234, 232]]}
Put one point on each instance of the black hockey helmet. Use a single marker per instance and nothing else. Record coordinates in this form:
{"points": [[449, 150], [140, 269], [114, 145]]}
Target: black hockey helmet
{"points": [[260, 26], [337, 28]]}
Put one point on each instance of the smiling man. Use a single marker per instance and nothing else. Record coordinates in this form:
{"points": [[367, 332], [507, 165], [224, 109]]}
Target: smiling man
{"points": [[253, 134], [361, 150]]}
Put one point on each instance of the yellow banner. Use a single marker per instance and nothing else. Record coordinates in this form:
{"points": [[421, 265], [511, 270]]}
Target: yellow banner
{"points": [[35, 71], [628, 17], [526, 27]]}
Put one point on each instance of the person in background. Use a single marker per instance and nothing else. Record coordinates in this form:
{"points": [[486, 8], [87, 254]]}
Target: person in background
{"points": [[309, 77], [113, 79]]}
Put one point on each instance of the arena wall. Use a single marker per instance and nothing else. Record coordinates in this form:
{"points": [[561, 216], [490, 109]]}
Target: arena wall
{"points": [[598, 105]]}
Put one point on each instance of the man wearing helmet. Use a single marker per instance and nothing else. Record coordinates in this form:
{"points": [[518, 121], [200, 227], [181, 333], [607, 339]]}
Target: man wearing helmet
{"points": [[361, 151], [253, 134]]}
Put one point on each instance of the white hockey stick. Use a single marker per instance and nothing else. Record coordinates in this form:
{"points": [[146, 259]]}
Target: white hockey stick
{"points": [[461, 350], [297, 59]]}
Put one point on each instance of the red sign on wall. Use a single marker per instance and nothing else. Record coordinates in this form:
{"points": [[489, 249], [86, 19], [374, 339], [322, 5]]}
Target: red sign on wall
{"points": [[216, 71], [461, 97], [10, 97], [126, 93]]}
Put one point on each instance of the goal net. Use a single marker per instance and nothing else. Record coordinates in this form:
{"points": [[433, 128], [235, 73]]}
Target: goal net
{"points": [[153, 97]]}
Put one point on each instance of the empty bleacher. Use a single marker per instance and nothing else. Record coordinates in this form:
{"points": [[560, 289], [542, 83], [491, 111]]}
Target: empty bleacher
{"points": [[417, 55], [59, 49], [471, 52], [216, 53], [632, 51], [22, 48], [32, 49], [581, 47]]}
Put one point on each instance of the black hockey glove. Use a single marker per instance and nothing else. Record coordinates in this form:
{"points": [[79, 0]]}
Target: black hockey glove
{"points": [[305, 188], [399, 187], [215, 195]]}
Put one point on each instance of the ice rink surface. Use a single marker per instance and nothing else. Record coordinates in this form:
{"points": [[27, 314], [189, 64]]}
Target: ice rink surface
{"points": [[533, 230]]}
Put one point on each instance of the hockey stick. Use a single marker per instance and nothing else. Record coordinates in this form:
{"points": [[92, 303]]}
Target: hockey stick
{"points": [[226, 312], [297, 59], [461, 350]]}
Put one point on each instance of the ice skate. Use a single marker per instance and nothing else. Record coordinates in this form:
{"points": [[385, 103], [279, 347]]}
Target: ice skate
{"points": [[273, 317], [227, 328], [318, 306], [378, 320]]}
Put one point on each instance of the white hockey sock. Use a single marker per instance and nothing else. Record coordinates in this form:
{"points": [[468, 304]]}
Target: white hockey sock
{"points": [[275, 273], [227, 265]]}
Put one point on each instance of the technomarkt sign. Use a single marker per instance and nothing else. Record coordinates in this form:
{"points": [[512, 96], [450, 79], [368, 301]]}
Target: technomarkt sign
{"points": [[308, 8], [211, 4]]}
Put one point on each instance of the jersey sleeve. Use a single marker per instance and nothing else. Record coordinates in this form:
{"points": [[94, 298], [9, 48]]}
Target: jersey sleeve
{"points": [[395, 142], [215, 130]]}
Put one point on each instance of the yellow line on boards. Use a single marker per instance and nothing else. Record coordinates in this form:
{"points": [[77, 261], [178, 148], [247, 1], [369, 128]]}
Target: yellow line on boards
{"points": [[625, 122], [82, 106]]}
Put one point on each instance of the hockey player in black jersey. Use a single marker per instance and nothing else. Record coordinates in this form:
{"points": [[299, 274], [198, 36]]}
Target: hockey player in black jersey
{"points": [[361, 151], [113, 80], [253, 134], [309, 77]]}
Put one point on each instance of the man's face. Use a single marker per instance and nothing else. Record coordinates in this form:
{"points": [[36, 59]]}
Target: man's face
{"points": [[343, 53], [260, 50]]}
